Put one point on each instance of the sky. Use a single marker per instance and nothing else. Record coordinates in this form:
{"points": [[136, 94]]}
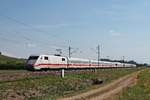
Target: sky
{"points": [[120, 27]]}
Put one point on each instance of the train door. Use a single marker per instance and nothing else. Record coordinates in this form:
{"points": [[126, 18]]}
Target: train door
{"points": [[63, 62], [45, 61]]}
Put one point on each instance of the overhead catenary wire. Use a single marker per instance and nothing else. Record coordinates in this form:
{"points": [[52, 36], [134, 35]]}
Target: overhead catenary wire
{"points": [[25, 24], [40, 41], [27, 38], [8, 40], [31, 27], [18, 43]]}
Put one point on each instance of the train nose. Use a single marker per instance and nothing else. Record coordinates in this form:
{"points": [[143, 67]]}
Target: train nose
{"points": [[30, 67]]}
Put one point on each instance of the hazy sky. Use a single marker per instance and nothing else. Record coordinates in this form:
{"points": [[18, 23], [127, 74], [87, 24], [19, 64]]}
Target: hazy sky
{"points": [[121, 27]]}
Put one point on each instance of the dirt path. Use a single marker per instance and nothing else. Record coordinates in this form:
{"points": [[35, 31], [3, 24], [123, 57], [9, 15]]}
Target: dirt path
{"points": [[108, 92]]}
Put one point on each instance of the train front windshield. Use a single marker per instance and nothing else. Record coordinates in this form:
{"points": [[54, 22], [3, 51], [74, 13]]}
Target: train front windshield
{"points": [[32, 59]]}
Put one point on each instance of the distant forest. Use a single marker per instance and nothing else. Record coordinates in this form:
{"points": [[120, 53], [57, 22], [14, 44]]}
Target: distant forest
{"points": [[124, 61]]}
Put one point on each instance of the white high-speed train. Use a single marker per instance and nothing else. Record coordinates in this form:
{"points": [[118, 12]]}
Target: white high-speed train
{"points": [[39, 62]]}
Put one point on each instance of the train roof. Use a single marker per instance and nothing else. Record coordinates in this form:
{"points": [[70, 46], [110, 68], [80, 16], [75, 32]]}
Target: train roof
{"points": [[45, 55], [78, 59]]}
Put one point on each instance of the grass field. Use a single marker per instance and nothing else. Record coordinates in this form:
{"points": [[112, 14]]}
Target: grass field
{"points": [[11, 63], [141, 91], [49, 87]]}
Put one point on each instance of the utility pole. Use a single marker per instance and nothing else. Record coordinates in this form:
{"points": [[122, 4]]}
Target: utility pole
{"points": [[123, 58], [123, 61], [98, 52], [98, 56], [72, 50], [69, 52]]}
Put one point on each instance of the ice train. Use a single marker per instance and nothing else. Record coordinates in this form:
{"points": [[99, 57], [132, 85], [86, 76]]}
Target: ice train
{"points": [[39, 62]]}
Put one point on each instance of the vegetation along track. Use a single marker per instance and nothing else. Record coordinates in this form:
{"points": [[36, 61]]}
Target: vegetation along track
{"points": [[11, 75], [25, 85], [108, 91]]}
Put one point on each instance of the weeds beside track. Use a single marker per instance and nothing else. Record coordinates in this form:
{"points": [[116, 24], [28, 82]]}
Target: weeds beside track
{"points": [[33, 85]]}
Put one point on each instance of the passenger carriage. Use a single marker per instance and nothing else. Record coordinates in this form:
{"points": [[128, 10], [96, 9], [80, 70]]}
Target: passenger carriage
{"points": [[38, 62]]}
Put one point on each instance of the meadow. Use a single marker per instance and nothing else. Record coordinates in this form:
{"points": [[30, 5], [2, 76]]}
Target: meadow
{"points": [[141, 91], [50, 86], [11, 63]]}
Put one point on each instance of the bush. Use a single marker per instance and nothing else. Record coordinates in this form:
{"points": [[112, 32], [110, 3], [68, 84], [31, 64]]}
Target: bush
{"points": [[11, 63], [12, 66]]}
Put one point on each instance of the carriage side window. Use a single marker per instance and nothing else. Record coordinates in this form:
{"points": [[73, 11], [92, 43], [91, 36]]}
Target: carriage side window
{"points": [[45, 58], [63, 59]]}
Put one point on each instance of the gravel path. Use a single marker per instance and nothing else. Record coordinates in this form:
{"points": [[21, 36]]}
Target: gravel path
{"points": [[109, 91]]}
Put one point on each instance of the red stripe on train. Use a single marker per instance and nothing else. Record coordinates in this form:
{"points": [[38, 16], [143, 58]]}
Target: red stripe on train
{"points": [[73, 65]]}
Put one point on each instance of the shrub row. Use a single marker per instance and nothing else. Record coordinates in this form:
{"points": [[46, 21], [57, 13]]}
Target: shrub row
{"points": [[12, 66]]}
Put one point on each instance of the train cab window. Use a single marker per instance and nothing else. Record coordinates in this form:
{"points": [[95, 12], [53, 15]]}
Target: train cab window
{"points": [[63, 59], [33, 57], [45, 58]]}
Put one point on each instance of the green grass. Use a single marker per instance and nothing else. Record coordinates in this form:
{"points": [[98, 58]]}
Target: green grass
{"points": [[48, 87], [141, 91], [11, 63]]}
